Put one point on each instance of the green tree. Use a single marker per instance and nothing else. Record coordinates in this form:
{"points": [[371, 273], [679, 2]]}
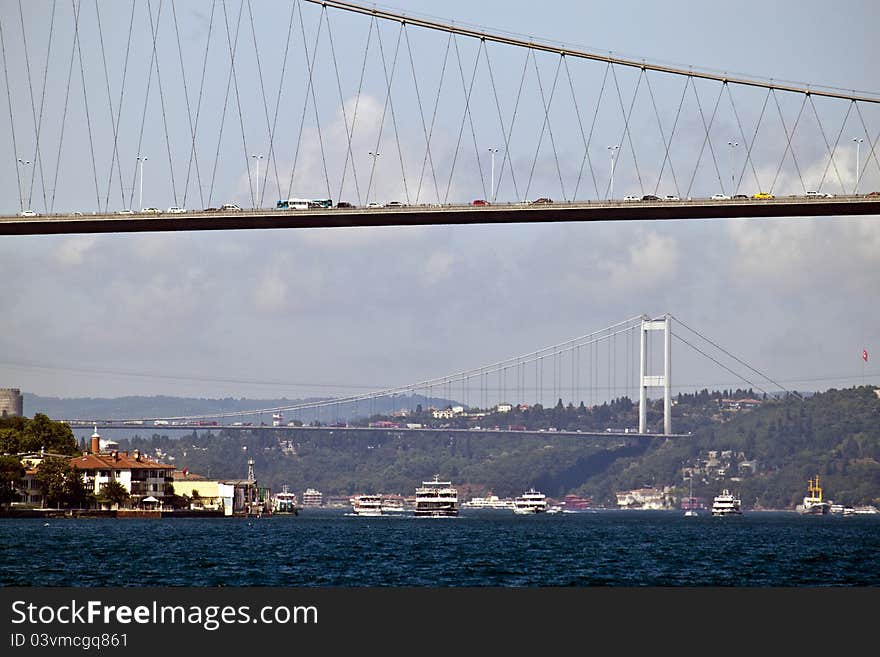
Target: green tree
{"points": [[61, 484], [112, 493], [11, 473]]}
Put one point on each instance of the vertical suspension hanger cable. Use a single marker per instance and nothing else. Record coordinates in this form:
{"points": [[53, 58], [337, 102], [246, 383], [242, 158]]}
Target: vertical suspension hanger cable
{"points": [[232, 53], [311, 92], [265, 105], [155, 31], [465, 115], [430, 132], [577, 111], [742, 135], [788, 146], [872, 152], [587, 157], [192, 152], [751, 145], [545, 125], [667, 144], [389, 79], [11, 118], [707, 139], [114, 115], [143, 113], [349, 129], [27, 66], [627, 115], [480, 48], [38, 157], [827, 146], [189, 115], [834, 149], [508, 158], [82, 73], [428, 157], [63, 124]]}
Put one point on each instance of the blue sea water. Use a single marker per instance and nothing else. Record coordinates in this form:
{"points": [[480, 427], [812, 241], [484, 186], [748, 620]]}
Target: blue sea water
{"points": [[328, 548]]}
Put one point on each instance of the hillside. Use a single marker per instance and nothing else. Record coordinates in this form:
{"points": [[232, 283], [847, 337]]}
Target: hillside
{"points": [[766, 455]]}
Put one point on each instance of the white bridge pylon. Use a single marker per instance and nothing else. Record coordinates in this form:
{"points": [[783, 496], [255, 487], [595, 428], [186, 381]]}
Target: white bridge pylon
{"points": [[656, 380]]}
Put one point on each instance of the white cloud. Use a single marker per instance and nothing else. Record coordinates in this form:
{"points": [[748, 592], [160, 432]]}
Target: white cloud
{"points": [[73, 251]]}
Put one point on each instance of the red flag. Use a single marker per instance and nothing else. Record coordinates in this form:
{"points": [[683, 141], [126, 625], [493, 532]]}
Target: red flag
{"points": [[184, 472], [865, 355]]}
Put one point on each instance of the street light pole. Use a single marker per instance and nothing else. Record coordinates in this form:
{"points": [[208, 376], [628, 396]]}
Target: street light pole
{"points": [[613, 149], [732, 145], [141, 198], [492, 195], [858, 141], [20, 192], [257, 193]]}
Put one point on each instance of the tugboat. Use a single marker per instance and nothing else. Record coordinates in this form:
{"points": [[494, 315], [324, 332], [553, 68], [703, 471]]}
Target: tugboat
{"points": [[813, 504]]}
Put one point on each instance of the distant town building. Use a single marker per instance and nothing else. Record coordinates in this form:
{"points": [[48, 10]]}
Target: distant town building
{"points": [[642, 498], [504, 408], [11, 402]]}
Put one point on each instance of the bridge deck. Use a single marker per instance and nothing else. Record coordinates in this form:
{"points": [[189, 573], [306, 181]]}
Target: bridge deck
{"points": [[423, 215]]}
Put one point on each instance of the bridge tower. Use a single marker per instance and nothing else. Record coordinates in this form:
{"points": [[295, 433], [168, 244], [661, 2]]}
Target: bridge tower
{"points": [[656, 380]]}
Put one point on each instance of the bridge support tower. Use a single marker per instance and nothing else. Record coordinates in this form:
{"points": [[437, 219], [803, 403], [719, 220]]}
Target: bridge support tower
{"points": [[656, 380]]}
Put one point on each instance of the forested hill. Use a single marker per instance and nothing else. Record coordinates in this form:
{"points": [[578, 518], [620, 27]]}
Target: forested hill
{"points": [[767, 455]]}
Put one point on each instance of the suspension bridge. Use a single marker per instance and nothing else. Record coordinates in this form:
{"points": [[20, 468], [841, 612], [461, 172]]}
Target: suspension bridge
{"points": [[152, 115], [623, 361]]}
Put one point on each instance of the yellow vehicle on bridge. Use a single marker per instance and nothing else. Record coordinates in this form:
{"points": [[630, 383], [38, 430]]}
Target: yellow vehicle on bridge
{"points": [[763, 195]]}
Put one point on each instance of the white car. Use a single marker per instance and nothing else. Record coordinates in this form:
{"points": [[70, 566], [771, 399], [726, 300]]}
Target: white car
{"points": [[815, 194], [720, 197], [175, 210], [396, 204], [375, 204], [151, 211], [632, 198], [125, 211], [27, 213], [230, 207], [671, 197]]}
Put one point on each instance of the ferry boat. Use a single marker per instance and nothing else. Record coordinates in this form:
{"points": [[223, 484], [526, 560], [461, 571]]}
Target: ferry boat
{"points": [[313, 498], [531, 501], [436, 498], [284, 502], [367, 505], [726, 504], [491, 502], [813, 504]]}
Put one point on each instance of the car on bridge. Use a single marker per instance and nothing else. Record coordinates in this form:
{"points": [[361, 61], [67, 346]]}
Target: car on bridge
{"points": [[761, 195], [344, 204], [650, 197], [815, 194], [543, 199], [671, 197], [720, 197], [375, 204], [480, 201], [740, 197], [872, 194], [396, 204], [125, 211], [151, 211], [230, 207], [631, 198], [175, 210], [27, 213]]}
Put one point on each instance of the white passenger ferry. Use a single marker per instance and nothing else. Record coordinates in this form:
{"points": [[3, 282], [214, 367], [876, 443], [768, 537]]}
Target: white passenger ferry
{"points": [[531, 501], [490, 502], [436, 498], [367, 505], [285, 501], [726, 504]]}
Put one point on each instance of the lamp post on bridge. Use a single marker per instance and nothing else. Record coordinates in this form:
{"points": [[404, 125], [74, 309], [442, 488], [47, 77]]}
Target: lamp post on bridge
{"points": [[613, 150], [257, 192], [732, 145], [23, 163], [141, 193], [492, 194], [858, 141]]}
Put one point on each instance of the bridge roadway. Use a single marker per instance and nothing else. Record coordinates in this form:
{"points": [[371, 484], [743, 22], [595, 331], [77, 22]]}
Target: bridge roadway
{"points": [[110, 424], [423, 215]]}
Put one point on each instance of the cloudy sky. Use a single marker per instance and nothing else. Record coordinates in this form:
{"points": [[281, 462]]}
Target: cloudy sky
{"points": [[304, 312]]}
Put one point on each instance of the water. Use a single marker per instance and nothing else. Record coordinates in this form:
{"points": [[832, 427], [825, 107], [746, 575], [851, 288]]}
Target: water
{"points": [[327, 548]]}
